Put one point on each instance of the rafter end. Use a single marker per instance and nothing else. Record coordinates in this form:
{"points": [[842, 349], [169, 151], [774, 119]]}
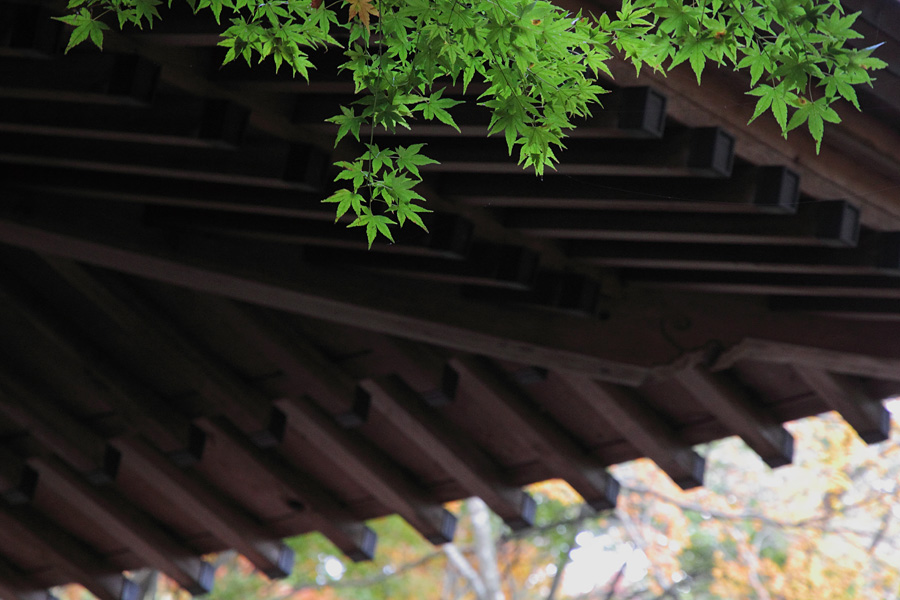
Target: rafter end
{"points": [[204, 581], [447, 529], [786, 455], [284, 564], [193, 452], [365, 550], [274, 432], [527, 512], [608, 500], [695, 478], [23, 493]]}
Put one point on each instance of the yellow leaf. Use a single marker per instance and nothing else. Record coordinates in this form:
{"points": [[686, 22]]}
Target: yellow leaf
{"points": [[363, 9]]}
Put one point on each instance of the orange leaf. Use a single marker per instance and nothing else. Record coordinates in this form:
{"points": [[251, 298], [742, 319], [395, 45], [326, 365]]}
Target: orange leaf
{"points": [[362, 8]]}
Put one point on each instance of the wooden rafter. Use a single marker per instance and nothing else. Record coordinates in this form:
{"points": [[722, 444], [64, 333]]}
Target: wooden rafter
{"points": [[628, 413], [732, 405], [477, 474], [360, 460], [225, 521], [554, 447]]}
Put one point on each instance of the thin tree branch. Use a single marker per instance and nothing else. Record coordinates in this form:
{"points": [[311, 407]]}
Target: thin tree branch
{"points": [[485, 549], [465, 569]]}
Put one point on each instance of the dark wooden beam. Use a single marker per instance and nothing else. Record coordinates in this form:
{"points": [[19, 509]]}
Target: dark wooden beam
{"points": [[367, 465], [180, 26], [183, 192], [140, 408], [306, 369], [75, 559], [225, 522], [749, 189], [265, 162], [17, 482], [880, 308], [734, 406], [553, 445], [809, 285], [703, 152], [836, 361], [621, 349], [876, 253], [320, 509], [172, 119], [476, 473], [91, 78], [569, 292], [49, 422], [827, 223], [27, 30], [630, 415], [448, 236], [242, 273], [504, 266], [117, 516], [220, 389], [15, 584], [867, 415]]}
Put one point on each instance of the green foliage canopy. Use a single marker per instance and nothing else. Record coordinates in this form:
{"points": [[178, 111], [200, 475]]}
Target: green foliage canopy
{"points": [[538, 64]]}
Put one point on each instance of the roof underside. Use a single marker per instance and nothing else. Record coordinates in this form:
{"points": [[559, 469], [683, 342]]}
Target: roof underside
{"points": [[197, 358]]}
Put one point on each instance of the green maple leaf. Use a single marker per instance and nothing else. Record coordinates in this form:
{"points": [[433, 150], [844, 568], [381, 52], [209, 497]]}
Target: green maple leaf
{"points": [[408, 158], [436, 107], [345, 199], [408, 210], [85, 27], [374, 225]]}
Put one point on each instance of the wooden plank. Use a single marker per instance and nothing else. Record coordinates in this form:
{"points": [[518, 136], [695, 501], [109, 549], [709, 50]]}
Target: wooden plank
{"points": [[867, 415], [810, 285], [828, 223], [91, 78], [551, 443], [172, 119], [704, 152], [503, 266], [569, 292], [221, 389], [265, 162], [79, 562], [883, 307], [193, 494], [630, 415], [72, 183], [448, 236], [476, 473], [749, 189], [366, 464], [116, 515], [323, 511], [732, 405], [875, 254]]}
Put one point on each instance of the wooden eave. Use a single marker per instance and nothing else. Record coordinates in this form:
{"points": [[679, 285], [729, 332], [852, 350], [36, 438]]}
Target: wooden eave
{"points": [[198, 358]]}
